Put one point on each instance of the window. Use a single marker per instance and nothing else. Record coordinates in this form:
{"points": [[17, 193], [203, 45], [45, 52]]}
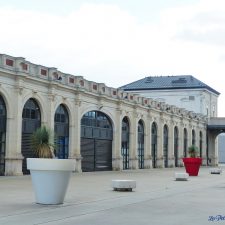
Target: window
{"points": [[43, 72], [9, 62]]}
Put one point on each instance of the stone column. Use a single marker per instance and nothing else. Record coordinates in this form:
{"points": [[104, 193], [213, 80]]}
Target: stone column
{"points": [[147, 145], [189, 135], [204, 148], [212, 154], [75, 131], [13, 156], [117, 160], [133, 142], [181, 144], [171, 162], [160, 160]]}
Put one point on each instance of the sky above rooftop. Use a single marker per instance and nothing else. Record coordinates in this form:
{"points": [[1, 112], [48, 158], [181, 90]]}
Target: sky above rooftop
{"points": [[119, 41]]}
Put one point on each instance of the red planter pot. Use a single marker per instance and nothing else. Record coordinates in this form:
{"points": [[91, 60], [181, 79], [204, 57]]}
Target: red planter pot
{"points": [[192, 165]]}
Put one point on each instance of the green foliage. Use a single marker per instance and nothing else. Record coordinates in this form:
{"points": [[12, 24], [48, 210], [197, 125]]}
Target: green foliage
{"points": [[193, 151], [42, 142]]}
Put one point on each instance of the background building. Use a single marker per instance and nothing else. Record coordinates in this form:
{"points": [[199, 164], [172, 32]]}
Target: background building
{"points": [[182, 91]]}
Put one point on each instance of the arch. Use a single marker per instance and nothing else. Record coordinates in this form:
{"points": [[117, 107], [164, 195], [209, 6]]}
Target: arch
{"points": [[200, 143], [61, 128], [125, 142], [165, 145], [154, 144], [141, 144], [176, 141], [68, 107], [96, 109], [31, 120], [185, 142], [40, 101], [3, 116], [193, 140], [7, 99], [96, 141]]}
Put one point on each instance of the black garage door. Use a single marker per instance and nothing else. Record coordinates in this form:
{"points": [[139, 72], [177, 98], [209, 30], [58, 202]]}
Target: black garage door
{"points": [[96, 154], [96, 142]]}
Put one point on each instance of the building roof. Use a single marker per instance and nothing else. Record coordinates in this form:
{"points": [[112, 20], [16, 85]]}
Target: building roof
{"points": [[167, 82]]}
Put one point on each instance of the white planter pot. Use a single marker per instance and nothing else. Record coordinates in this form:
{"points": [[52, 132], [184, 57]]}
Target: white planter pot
{"points": [[50, 178]]}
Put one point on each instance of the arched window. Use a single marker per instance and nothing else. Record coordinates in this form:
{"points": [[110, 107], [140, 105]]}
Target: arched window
{"points": [[2, 135], [154, 145], [62, 132], [95, 124], [140, 144], [200, 143], [125, 143], [185, 142], [31, 120], [176, 138], [193, 137], [165, 145]]}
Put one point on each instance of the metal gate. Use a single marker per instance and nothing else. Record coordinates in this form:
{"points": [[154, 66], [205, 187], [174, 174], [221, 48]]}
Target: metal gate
{"points": [[2, 135], [185, 142], [96, 142], [125, 143], [62, 132], [31, 120], [193, 141], [140, 145], [96, 155], [165, 146], [200, 144], [154, 145], [176, 146]]}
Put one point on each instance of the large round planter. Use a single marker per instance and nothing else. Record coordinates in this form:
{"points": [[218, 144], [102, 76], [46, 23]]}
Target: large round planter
{"points": [[50, 178], [192, 165]]}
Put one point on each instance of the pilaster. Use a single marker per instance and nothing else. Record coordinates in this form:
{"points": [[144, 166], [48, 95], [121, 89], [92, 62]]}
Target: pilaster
{"points": [[13, 157], [117, 160], [133, 142]]}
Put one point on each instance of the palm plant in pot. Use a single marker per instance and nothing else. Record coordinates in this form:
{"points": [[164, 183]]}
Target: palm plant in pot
{"points": [[192, 163], [50, 176]]}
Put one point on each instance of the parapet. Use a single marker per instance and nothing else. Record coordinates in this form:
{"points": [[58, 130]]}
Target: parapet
{"points": [[21, 67]]}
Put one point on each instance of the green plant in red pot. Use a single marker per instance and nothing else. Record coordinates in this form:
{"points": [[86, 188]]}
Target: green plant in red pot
{"points": [[192, 163], [193, 151]]}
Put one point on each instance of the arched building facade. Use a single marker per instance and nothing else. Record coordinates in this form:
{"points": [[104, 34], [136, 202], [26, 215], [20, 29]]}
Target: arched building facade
{"points": [[103, 128]]}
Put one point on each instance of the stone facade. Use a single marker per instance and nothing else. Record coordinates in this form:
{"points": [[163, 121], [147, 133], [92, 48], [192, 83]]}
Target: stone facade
{"points": [[21, 80], [183, 91], [201, 100]]}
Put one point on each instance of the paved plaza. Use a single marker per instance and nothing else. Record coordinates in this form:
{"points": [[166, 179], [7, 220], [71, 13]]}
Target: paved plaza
{"points": [[90, 200]]}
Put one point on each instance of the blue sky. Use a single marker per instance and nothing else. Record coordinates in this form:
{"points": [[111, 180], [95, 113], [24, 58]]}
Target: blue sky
{"points": [[119, 41]]}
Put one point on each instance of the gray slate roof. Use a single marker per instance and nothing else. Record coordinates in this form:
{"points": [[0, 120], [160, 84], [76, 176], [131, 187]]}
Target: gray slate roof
{"points": [[167, 82]]}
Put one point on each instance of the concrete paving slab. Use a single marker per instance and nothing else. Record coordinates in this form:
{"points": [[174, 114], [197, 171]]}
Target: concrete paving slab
{"points": [[90, 200]]}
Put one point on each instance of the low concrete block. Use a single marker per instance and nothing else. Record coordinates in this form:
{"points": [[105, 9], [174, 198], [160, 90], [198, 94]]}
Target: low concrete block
{"points": [[181, 176], [215, 170], [123, 185]]}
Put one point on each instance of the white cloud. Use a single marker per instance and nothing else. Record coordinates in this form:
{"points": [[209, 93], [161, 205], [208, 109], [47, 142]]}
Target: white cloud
{"points": [[104, 43]]}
